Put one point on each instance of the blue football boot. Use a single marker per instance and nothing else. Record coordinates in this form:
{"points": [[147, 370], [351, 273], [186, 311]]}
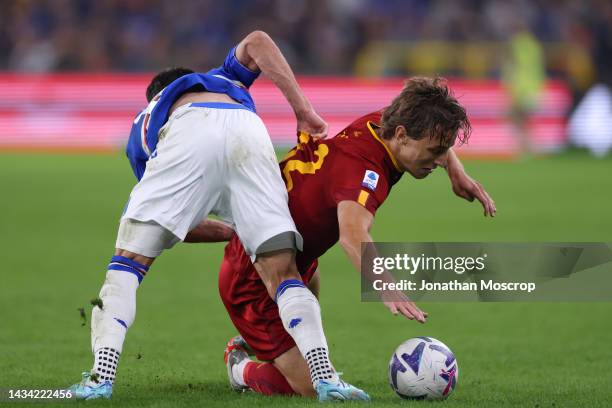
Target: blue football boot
{"points": [[339, 391], [89, 389]]}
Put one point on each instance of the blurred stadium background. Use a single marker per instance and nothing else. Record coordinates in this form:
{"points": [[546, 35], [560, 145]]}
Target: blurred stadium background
{"points": [[534, 75], [74, 71]]}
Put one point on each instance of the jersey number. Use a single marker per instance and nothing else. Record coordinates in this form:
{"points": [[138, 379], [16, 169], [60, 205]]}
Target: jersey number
{"points": [[302, 167]]}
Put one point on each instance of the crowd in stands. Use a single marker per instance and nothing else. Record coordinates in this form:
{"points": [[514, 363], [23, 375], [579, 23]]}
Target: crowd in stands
{"points": [[318, 36]]}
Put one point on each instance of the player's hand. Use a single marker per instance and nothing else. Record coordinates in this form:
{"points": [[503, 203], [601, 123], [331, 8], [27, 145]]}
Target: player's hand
{"points": [[468, 188], [397, 302], [310, 122]]}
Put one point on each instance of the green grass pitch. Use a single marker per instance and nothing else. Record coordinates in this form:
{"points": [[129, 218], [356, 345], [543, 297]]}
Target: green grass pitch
{"points": [[59, 215]]}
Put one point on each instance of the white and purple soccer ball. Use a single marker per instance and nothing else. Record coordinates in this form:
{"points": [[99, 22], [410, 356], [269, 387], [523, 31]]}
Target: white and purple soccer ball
{"points": [[423, 368]]}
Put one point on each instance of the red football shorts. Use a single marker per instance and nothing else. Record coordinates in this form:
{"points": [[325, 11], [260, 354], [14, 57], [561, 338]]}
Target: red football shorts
{"points": [[248, 304]]}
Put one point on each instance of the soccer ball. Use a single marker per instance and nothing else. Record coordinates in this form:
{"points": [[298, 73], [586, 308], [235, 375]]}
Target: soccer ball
{"points": [[423, 368]]}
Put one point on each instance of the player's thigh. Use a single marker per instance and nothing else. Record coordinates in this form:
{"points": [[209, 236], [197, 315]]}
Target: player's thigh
{"points": [[295, 370], [259, 201], [143, 241]]}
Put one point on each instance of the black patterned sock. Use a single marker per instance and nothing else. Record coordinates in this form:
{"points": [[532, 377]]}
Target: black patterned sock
{"points": [[319, 365], [105, 364]]}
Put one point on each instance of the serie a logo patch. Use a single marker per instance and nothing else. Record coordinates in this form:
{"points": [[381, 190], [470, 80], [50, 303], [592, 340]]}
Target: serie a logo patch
{"points": [[370, 180]]}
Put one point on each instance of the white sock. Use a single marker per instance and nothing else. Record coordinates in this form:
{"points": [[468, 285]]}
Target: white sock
{"points": [[301, 315], [238, 371], [111, 319]]}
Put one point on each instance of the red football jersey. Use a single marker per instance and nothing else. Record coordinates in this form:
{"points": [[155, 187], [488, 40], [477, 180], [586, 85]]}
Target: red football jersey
{"points": [[354, 165]]}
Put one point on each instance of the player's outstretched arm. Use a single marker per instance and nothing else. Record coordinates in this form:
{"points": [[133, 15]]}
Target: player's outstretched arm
{"points": [[466, 187], [210, 231], [258, 52], [354, 223]]}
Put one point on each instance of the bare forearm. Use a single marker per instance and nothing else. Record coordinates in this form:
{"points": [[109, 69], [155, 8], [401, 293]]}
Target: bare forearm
{"points": [[352, 247], [209, 231], [351, 244], [354, 223], [452, 162]]}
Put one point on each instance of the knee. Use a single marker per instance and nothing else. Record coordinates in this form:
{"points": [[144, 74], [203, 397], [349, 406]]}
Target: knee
{"points": [[143, 241], [144, 260]]}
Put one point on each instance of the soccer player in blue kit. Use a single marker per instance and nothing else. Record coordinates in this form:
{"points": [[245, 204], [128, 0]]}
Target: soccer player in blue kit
{"points": [[199, 148]]}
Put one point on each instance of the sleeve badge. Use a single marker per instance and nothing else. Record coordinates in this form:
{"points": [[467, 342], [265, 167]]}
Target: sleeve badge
{"points": [[370, 180]]}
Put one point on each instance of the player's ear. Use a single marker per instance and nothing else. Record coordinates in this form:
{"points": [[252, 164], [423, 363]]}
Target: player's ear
{"points": [[400, 134]]}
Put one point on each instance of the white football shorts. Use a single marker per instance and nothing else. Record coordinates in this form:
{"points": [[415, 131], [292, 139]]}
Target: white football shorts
{"points": [[210, 159]]}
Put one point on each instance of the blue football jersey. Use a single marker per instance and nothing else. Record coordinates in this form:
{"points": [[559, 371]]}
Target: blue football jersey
{"points": [[232, 79]]}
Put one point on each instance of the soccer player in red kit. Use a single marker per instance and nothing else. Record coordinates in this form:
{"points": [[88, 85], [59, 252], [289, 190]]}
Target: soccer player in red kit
{"points": [[335, 187]]}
